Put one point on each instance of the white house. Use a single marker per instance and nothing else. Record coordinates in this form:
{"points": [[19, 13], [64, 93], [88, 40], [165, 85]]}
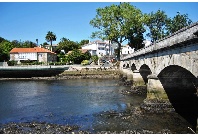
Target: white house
{"points": [[99, 48], [32, 54], [126, 50], [147, 43]]}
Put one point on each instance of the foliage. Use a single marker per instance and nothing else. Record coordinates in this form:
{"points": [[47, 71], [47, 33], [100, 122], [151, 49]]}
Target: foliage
{"points": [[5, 47], [95, 58], [50, 37], [85, 62], [118, 23], [86, 55], [1, 39], [28, 44], [29, 62], [177, 22], [12, 63], [160, 25], [76, 56], [25, 44], [57, 63], [67, 45], [156, 23], [83, 42]]}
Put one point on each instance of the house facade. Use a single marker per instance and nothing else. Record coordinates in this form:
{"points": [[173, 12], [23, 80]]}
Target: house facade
{"points": [[126, 50], [33, 54], [99, 48]]}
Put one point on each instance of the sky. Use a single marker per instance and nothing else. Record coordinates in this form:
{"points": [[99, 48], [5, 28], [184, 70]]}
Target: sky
{"points": [[32, 20]]}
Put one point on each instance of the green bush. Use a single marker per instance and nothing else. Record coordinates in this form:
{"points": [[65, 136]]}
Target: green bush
{"points": [[95, 59], [85, 62], [12, 63]]}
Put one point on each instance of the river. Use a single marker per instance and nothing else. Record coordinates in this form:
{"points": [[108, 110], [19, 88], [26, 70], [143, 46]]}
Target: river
{"points": [[82, 102]]}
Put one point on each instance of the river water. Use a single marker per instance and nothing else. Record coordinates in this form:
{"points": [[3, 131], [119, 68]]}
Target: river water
{"points": [[77, 102]]}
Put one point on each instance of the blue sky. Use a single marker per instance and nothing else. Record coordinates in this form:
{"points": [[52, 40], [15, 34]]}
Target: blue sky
{"points": [[32, 20]]}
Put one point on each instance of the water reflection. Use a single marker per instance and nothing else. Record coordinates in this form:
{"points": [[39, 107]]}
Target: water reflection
{"points": [[28, 99], [79, 102]]}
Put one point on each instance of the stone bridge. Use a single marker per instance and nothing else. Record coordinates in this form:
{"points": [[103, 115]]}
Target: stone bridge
{"points": [[169, 69]]}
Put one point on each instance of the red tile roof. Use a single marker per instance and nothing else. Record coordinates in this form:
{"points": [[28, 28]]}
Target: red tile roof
{"points": [[30, 50]]}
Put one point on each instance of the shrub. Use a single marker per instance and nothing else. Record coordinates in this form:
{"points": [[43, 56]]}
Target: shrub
{"points": [[12, 63], [95, 58], [85, 62]]}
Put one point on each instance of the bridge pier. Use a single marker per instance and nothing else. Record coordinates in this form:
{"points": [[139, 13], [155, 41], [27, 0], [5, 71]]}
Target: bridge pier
{"points": [[157, 99], [137, 79], [155, 89]]}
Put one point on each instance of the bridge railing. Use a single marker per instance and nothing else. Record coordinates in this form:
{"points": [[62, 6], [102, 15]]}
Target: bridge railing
{"points": [[179, 36]]}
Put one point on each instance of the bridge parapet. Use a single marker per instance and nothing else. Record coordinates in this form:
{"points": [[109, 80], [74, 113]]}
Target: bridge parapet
{"points": [[182, 35]]}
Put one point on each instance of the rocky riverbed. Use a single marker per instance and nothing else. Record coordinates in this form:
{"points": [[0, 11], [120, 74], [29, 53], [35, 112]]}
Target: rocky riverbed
{"points": [[108, 122]]}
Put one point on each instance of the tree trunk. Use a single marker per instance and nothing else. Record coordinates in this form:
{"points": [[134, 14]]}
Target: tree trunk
{"points": [[118, 55], [51, 45]]}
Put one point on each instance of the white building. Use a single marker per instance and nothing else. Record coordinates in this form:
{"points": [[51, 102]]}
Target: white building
{"points": [[126, 50], [32, 54], [99, 48], [147, 43]]}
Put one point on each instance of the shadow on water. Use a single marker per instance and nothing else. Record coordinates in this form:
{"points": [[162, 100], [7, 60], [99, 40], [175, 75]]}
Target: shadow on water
{"points": [[48, 72], [181, 88]]}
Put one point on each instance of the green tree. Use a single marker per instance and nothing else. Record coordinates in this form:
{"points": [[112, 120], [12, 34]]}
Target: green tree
{"points": [[83, 42], [118, 23], [67, 45], [156, 23], [95, 58], [50, 37], [5, 48], [86, 55], [177, 22], [76, 56], [16, 44], [1, 39], [28, 44]]}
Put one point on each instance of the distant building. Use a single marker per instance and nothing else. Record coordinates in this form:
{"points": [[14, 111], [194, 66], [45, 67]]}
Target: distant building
{"points": [[32, 54], [126, 50], [99, 48], [147, 43]]}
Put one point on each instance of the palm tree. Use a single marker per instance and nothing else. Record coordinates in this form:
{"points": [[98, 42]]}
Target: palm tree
{"points": [[50, 37]]}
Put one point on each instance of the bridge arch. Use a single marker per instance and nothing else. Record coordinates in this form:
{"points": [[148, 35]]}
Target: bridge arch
{"points": [[181, 87], [127, 65], [133, 67], [144, 72]]}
